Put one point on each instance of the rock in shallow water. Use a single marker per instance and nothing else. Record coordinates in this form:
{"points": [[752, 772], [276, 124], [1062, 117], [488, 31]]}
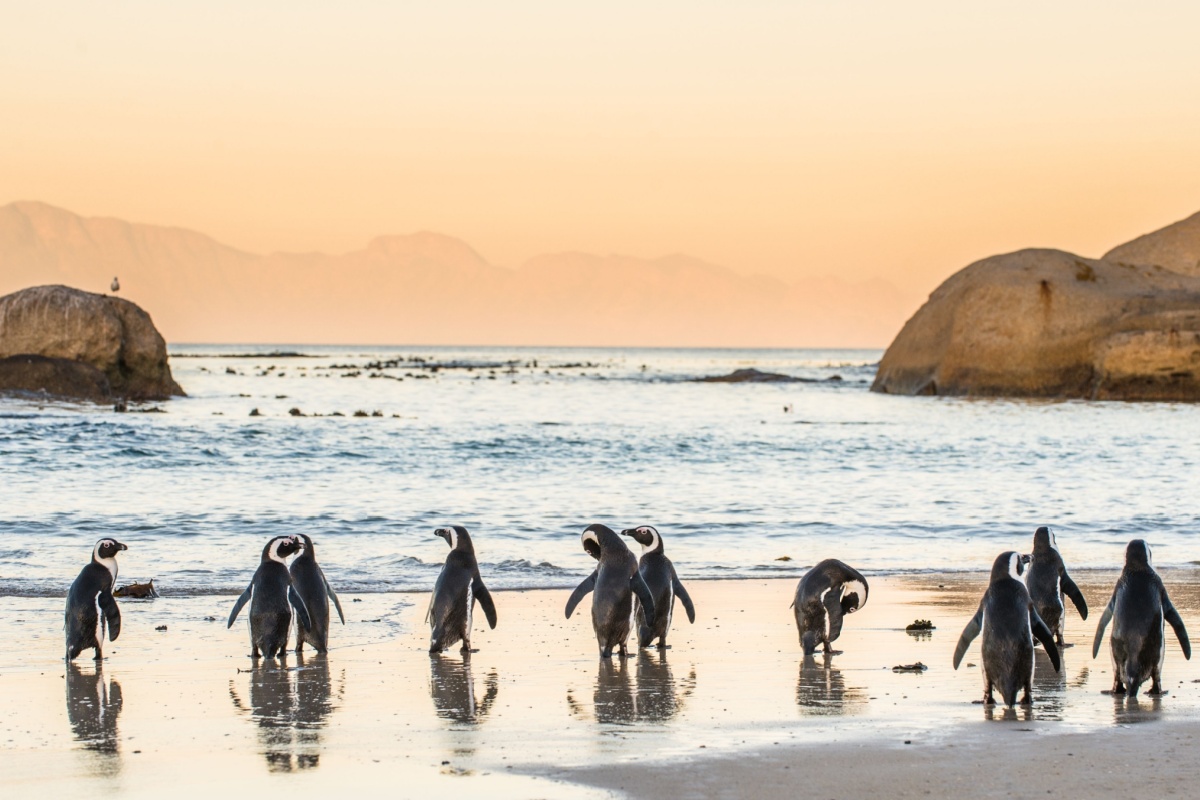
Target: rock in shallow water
{"points": [[59, 332]]}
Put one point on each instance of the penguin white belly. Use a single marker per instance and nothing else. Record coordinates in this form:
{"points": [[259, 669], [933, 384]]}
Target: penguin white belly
{"points": [[470, 607], [100, 622]]}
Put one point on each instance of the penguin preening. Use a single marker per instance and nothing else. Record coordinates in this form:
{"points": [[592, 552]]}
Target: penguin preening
{"points": [[1009, 622], [1047, 581], [272, 598], [1138, 607], [314, 589], [458, 587], [615, 581], [90, 604], [826, 593], [659, 574]]}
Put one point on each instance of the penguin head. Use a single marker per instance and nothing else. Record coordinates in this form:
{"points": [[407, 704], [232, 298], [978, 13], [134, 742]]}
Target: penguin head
{"points": [[306, 545], [599, 538], [854, 595], [1009, 564], [280, 548], [647, 537], [106, 549], [456, 536], [1137, 555], [1044, 540]]}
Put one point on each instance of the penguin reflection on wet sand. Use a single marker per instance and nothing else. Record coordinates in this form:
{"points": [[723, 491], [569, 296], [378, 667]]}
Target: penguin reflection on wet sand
{"points": [[615, 581], [93, 708], [458, 587], [452, 687], [315, 591], [659, 574], [273, 707], [90, 604], [821, 689], [272, 598], [1009, 622], [1047, 581], [826, 593], [658, 697], [1138, 608]]}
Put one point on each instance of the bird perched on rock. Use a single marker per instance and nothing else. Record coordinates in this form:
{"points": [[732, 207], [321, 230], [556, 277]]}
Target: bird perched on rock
{"points": [[115, 286]]}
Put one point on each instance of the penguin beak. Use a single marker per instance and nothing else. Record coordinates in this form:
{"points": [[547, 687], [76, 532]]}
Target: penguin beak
{"points": [[122, 546], [443, 533]]}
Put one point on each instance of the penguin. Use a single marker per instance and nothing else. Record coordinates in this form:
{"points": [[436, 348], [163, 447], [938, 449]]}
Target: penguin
{"points": [[458, 586], [1009, 622], [826, 593], [615, 581], [1047, 581], [115, 286], [1137, 609], [659, 574], [272, 590], [316, 593], [90, 604]]}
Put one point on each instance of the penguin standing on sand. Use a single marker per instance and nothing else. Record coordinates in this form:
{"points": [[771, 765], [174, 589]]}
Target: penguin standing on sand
{"points": [[659, 574], [90, 604], [458, 586], [1009, 622], [315, 591], [1137, 609], [274, 597], [1047, 581], [615, 581], [826, 593]]}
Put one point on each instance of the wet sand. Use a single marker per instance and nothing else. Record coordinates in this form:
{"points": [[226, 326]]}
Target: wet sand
{"points": [[730, 710]]}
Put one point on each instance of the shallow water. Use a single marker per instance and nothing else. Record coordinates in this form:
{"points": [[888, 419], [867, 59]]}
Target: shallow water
{"points": [[527, 446]]}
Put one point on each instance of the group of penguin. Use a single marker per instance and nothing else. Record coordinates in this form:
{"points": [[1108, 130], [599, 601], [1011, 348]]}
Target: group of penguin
{"points": [[1023, 601]]}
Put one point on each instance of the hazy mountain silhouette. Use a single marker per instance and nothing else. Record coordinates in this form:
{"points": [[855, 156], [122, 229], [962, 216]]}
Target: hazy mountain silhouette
{"points": [[426, 288]]}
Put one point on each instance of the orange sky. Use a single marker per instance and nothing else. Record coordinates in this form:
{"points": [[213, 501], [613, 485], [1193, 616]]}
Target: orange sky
{"points": [[898, 140]]}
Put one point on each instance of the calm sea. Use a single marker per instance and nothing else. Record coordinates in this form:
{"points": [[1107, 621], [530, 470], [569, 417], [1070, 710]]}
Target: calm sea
{"points": [[527, 446]]}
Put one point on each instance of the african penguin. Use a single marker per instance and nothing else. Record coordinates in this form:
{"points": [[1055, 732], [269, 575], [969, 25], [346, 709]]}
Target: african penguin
{"points": [[315, 591], [659, 574], [1047, 581], [1137, 609], [90, 604], [458, 587], [1009, 622], [615, 581], [274, 597], [826, 593]]}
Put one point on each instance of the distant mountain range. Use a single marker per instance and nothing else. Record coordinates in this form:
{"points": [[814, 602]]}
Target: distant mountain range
{"points": [[426, 288]]}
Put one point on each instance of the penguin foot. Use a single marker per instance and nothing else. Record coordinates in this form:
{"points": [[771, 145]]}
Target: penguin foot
{"points": [[1026, 700], [830, 652]]}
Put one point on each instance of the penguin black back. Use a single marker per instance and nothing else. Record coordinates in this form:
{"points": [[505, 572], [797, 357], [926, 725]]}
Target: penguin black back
{"points": [[272, 598], [825, 595], [459, 586], [659, 574], [1138, 608], [314, 589], [614, 581], [90, 604], [1008, 620], [1047, 580]]}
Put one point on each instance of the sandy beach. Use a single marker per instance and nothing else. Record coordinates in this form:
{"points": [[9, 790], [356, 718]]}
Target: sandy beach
{"points": [[730, 710]]}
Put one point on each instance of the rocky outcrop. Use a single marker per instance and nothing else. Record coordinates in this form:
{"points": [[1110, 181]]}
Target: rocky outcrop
{"points": [[1045, 323], [1175, 247], [68, 328]]}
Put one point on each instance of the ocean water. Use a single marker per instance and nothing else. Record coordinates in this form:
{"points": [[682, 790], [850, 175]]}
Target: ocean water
{"points": [[527, 446]]}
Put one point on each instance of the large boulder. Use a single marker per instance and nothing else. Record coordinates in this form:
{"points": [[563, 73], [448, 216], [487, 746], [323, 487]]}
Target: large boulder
{"points": [[112, 335], [1175, 247], [1045, 323]]}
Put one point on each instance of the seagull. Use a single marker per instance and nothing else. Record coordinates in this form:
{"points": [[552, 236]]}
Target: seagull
{"points": [[116, 285]]}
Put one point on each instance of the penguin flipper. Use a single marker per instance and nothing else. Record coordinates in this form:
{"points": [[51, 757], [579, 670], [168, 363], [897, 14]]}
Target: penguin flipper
{"points": [[638, 584], [485, 600], [241, 601], [336, 603], [112, 614], [1044, 635], [1104, 620], [301, 610], [682, 594], [1176, 622], [968, 635], [589, 583], [1072, 591], [833, 611]]}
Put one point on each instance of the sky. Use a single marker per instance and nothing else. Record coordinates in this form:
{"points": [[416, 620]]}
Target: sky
{"points": [[860, 140]]}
